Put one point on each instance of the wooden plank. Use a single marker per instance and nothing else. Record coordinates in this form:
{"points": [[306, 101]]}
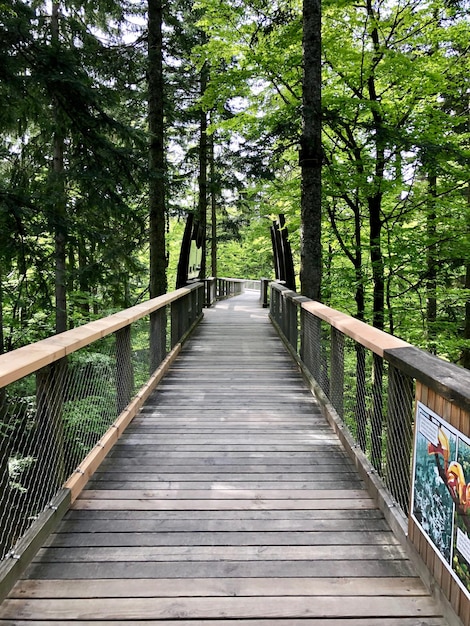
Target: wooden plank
{"points": [[216, 505], [217, 538], [212, 527], [310, 458], [253, 462], [285, 462], [280, 484], [260, 552], [144, 439], [221, 569], [382, 621], [181, 447], [170, 475], [209, 587], [324, 515], [210, 608], [225, 492]]}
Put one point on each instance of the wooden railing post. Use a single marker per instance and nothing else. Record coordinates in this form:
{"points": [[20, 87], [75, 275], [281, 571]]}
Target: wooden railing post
{"points": [[124, 368], [264, 286], [209, 291], [158, 349], [293, 329], [176, 321]]}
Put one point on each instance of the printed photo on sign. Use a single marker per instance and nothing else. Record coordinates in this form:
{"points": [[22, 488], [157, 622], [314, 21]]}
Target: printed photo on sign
{"points": [[461, 494], [441, 491]]}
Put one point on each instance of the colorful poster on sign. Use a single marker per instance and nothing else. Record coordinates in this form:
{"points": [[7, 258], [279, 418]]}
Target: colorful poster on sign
{"points": [[441, 491]]}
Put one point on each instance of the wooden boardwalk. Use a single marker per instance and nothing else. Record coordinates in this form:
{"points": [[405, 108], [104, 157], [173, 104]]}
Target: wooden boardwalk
{"points": [[228, 499]]}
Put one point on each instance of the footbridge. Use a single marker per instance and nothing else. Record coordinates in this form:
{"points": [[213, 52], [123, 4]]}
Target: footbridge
{"points": [[204, 459]]}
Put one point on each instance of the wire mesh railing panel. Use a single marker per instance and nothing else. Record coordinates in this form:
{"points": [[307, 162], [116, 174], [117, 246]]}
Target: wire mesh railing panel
{"points": [[274, 306], [365, 389], [374, 400], [52, 419], [92, 404], [399, 436], [140, 353], [18, 443], [315, 349], [49, 422]]}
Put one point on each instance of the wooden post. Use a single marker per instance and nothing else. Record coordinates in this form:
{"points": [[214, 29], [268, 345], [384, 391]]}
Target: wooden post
{"points": [[193, 297], [264, 292], [293, 324], [337, 371], [124, 368], [176, 322], [158, 349]]}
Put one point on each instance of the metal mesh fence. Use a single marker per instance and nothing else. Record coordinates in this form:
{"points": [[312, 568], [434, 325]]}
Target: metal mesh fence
{"points": [[374, 400], [49, 423], [51, 420]]}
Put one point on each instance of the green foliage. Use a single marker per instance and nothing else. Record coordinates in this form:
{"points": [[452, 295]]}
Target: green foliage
{"points": [[250, 256], [395, 117]]}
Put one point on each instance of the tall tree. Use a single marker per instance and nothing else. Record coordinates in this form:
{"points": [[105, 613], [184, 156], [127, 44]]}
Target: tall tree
{"points": [[58, 208], [203, 171], [156, 108], [311, 152]]}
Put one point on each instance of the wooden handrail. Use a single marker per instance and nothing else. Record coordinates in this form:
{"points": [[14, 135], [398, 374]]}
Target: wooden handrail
{"points": [[372, 338], [28, 359], [447, 379]]}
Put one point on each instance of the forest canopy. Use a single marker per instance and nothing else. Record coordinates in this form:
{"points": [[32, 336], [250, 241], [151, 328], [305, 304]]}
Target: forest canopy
{"points": [[75, 174]]}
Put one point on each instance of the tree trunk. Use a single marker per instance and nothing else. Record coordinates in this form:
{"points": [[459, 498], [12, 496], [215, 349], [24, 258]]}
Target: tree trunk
{"points": [[465, 358], [376, 258], [431, 262], [359, 294], [59, 204], [83, 283], [213, 209], [311, 152], [375, 199], [2, 337], [6, 529], [157, 212], [202, 179]]}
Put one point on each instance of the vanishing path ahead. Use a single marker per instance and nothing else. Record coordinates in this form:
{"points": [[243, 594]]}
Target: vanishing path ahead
{"points": [[228, 498]]}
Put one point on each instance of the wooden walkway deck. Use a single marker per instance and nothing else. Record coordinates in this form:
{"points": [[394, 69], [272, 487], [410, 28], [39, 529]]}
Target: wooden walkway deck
{"points": [[228, 500]]}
